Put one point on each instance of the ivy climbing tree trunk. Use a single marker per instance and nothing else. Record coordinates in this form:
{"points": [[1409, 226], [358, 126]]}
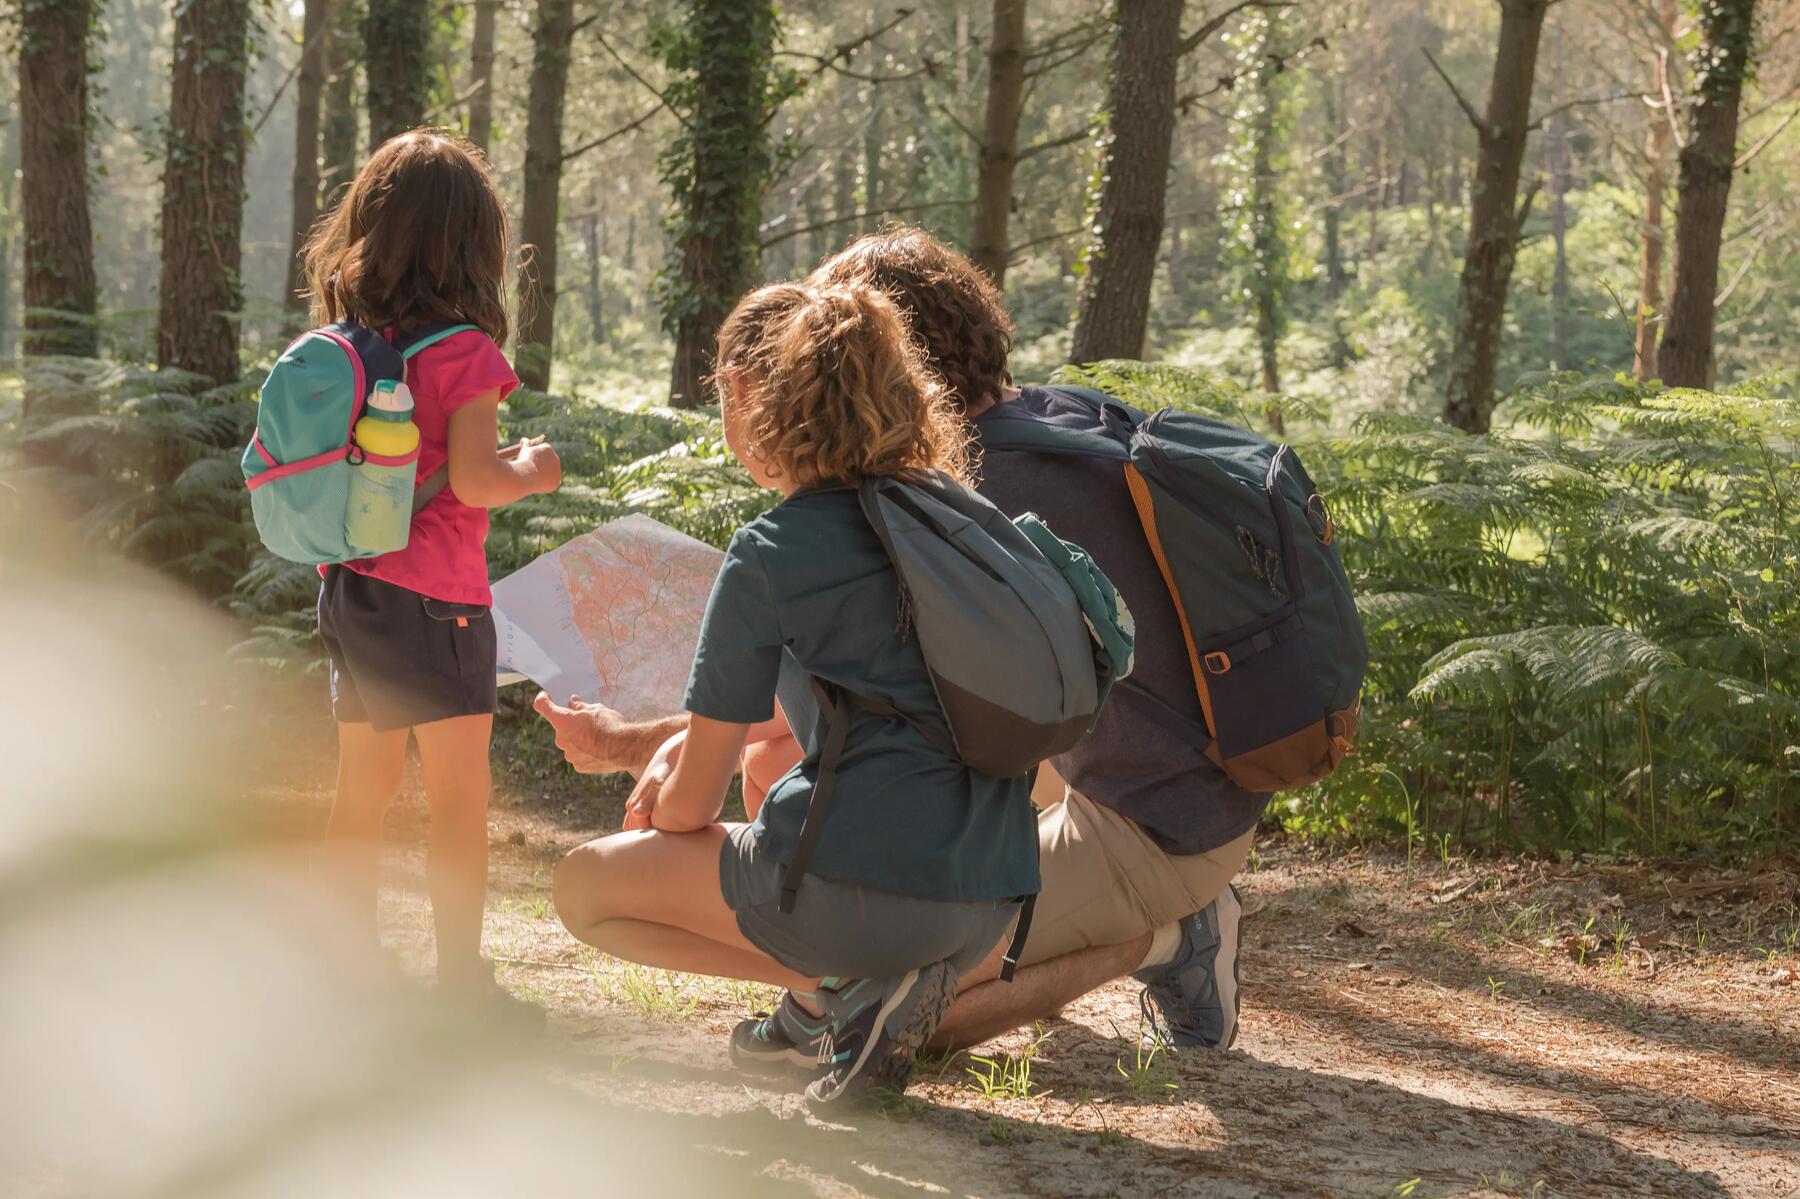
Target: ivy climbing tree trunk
{"points": [[481, 73], [203, 191], [61, 296], [396, 42], [314, 45], [1495, 217], [341, 121], [1134, 173], [999, 140], [716, 169], [543, 187], [1656, 183], [1686, 357], [1255, 206]]}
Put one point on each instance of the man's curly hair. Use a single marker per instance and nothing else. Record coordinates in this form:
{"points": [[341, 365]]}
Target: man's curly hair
{"points": [[955, 310], [837, 392]]}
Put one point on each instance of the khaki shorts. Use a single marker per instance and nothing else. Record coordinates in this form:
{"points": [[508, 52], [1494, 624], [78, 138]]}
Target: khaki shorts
{"points": [[1105, 881]]}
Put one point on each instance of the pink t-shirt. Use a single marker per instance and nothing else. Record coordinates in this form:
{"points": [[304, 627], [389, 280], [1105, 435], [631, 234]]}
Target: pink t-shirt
{"points": [[446, 556]]}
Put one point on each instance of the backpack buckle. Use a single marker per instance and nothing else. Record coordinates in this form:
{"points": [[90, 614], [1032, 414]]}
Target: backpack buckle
{"points": [[1218, 662]]}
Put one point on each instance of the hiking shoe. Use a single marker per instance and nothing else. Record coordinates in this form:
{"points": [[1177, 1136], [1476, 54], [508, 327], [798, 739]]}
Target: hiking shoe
{"points": [[787, 1040], [1193, 1000], [875, 1037]]}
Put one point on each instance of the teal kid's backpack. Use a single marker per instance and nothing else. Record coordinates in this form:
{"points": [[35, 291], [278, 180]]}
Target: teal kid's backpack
{"points": [[1022, 635], [305, 473], [1247, 550]]}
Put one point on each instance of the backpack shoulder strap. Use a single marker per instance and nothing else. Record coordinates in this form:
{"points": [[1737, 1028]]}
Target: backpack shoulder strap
{"points": [[423, 339], [833, 704], [427, 336]]}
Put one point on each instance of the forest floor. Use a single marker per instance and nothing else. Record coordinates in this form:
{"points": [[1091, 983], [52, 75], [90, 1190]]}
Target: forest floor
{"points": [[1459, 1027]]}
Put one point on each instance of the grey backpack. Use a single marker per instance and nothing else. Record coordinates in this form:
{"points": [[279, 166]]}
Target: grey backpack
{"points": [[1022, 645]]}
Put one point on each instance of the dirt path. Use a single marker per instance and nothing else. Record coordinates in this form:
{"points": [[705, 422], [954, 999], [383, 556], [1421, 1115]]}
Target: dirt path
{"points": [[1517, 1028]]}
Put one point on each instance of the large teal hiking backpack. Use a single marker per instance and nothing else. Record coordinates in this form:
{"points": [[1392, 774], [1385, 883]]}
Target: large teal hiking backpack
{"points": [[1246, 547], [1022, 635], [302, 466]]}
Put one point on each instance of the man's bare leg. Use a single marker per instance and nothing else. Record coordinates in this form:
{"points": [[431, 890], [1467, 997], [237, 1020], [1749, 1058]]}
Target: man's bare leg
{"points": [[986, 1007]]}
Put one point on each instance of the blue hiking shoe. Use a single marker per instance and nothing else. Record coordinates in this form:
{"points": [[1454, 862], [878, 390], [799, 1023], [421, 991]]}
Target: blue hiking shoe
{"points": [[876, 1036], [1193, 1000], [787, 1040]]}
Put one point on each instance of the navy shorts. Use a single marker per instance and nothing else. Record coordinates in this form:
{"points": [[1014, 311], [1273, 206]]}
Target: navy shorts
{"points": [[399, 658]]}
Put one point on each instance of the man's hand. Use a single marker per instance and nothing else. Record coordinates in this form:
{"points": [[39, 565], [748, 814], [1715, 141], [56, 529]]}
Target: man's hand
{"points": [[594, 738], [642, 804]]}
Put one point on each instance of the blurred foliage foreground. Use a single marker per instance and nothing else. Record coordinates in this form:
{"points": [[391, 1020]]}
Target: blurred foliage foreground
{"points": [[1585, 628]]}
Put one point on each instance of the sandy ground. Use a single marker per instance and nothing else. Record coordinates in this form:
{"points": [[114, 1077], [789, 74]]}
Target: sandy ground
{"points": [[1462, 1027]]}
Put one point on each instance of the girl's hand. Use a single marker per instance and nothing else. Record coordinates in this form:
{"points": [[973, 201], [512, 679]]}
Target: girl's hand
{"points": [[642, 805], [539, 463]]}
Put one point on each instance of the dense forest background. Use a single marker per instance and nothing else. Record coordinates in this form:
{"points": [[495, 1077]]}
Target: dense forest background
{"points": [[1461, 251]]}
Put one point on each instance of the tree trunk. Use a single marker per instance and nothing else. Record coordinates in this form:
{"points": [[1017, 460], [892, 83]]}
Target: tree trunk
{"points": [[1656, 183], [396, 44], [1556, 162], [1269, 250], [717, 252], [342, 119], [1686, 357], [1336, 278], [543, 185], [843, 200], [9, 174], [1134, 180], [61, 296], [315, 36], [203, 191], [596, 312], [481, 74], [999, 139], [872, 135], [1494, 221]]}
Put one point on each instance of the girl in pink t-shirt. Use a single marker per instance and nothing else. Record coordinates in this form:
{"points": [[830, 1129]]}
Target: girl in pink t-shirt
{"points": [[419, 242]]}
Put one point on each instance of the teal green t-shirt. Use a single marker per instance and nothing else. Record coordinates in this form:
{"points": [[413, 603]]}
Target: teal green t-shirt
{"points": [[810, 581]]}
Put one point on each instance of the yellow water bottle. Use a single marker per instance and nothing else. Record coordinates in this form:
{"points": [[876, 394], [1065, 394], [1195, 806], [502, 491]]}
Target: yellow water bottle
{"points": [[387, 426], [381, 491]]}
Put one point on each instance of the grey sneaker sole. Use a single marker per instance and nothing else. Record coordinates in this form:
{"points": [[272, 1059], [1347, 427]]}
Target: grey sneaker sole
{"points": [[930, 991]]}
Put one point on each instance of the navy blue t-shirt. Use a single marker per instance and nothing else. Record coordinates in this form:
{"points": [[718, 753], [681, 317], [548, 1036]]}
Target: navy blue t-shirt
{"points": [[1144, 758]]}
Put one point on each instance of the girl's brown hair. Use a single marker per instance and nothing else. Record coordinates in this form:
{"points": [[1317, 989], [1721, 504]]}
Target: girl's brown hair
{"points": [[836, 391], [421, 236], [954, 310]]}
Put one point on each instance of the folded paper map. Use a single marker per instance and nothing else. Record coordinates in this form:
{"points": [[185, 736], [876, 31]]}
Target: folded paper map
{"points": [[611, 616]]}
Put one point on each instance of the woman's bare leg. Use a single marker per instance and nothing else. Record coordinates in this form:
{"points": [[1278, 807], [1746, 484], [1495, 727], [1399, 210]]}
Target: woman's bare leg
{"points": [[653, 898]]}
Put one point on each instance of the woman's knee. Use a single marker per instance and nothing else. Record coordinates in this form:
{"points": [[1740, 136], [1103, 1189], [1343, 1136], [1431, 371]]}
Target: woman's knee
{"points": [[577, 887]]}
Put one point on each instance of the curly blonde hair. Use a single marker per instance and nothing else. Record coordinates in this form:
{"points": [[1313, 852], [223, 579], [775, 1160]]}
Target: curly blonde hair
{"points": [[836, 389]]}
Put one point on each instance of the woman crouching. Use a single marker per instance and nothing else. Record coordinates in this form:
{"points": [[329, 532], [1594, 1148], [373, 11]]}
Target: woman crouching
{"points": [[913, 879]]}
